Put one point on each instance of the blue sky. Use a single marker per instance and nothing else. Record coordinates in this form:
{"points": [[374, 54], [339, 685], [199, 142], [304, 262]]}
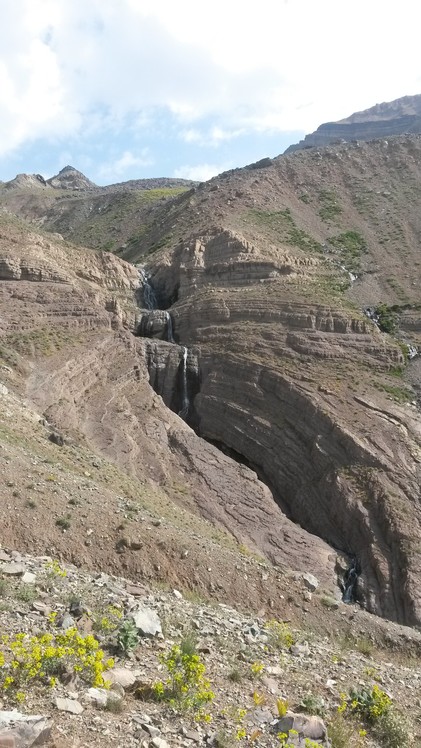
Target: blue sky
{"points": [[141, 88]]}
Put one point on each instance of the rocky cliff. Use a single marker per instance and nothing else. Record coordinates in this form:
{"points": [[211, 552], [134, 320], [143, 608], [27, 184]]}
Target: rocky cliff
{"points": [[381, 121], [278, 308]]}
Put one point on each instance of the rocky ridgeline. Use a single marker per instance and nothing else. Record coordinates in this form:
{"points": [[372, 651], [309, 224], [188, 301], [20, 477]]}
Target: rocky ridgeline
{"points": [[381, 121], [73, 180], [266, 678]]}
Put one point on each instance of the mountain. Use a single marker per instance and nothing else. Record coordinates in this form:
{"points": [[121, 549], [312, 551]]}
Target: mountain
{"points": [[228, 404], [380, 121]]}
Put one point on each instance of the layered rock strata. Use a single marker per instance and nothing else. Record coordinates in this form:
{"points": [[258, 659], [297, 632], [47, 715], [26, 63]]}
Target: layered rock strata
{"points": [[343, 462], [381, 121]]}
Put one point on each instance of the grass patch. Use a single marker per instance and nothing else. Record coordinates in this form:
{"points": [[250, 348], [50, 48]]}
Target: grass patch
{"points": [[351, 245], [399, 394], [329, 206], [282, 226]]}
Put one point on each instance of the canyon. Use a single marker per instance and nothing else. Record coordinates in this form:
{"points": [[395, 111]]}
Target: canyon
{"points": [[226, 358]]}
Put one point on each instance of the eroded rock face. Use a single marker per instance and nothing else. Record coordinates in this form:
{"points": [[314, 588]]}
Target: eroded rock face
{"points": [[344, 466], [93, 384]]}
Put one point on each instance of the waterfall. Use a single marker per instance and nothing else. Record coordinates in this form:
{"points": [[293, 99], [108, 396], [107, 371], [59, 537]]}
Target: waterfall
{"points": [[170, 336], [149, 296], [350, 582], [185, 403]]}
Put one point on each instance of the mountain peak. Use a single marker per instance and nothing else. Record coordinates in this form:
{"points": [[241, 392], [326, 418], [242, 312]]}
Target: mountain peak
{"points": [[70, 178]]}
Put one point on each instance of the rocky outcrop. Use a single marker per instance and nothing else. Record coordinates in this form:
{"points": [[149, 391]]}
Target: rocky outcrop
{"points": [[70, 178], [26, 180], [89, 376], [270, 390], [381, 121]]}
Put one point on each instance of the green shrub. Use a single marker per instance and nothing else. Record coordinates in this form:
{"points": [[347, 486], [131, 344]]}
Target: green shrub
{"points": [[312, 704], [26, 659], [235, 675], [370, 704], [27, 593], [330, 207], [392, 730], [186, 687], [127, 637], [339, 732], [387, 320], [63, 523], [280, 635]]}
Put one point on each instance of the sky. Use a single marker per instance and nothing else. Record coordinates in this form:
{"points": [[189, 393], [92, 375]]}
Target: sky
{"points": [[126, 89]]}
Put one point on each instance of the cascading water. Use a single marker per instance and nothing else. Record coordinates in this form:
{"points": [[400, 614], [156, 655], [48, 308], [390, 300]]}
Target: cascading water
{"points": [[350, 582], [170, 336], [185, 403], [149, 296]]}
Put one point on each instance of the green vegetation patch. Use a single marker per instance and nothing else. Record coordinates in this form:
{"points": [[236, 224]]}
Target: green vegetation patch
{"points": [[350, 245], [399, 394], [329, 206], [282, 226], [387, 318]]}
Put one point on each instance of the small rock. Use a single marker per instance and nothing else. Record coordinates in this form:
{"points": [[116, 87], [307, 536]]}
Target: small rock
{"points": [[66, 621], [306, 726], [77, 609], [310, 581], [41, 607], [191, 734], [23, 730], [12, 569], [121, 675], [69, 705], [133, 589], [160, 743], [56, 438], [97, 696], [261, 715], [102, 698], [151, 729], [29, 578], [177, 594], [147, 621], [330, 603], [300, 650]]}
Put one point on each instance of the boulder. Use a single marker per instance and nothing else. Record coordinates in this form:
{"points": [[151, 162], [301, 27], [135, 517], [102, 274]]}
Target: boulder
{"points": [[23, 730], [147, 621]]}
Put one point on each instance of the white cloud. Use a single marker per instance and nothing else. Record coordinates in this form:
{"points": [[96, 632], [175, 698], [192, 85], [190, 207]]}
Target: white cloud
{"points": [[201, 172], [122, 164], [212, 137], [69, 67]]}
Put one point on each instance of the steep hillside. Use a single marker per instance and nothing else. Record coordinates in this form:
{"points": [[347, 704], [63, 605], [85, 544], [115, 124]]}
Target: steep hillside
{"points": [[255, 329], [284, 367], [98, 217], [380, 121], [86, 443]]}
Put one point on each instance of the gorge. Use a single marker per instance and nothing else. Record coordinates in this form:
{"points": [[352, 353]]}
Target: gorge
{"points": [[222, 355]]}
